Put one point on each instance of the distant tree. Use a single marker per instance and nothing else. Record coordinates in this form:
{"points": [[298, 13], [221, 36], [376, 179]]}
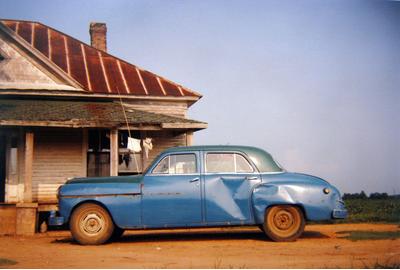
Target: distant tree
{"points": [[363, 195], [377, 195], [347, 196]]}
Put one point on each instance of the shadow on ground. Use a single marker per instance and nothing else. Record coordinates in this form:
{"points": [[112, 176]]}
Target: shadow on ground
{"points": [[160, 236]]}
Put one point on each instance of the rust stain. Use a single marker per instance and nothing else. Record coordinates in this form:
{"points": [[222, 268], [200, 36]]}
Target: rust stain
{"points": [[152, 86], [41, 41], [96, 71]]}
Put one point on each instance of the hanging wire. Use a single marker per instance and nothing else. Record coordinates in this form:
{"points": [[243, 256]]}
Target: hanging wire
{"points": [[127, 126]]}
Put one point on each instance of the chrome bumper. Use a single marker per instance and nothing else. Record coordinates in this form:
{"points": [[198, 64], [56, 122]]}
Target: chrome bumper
{"points": [[339, 213]]}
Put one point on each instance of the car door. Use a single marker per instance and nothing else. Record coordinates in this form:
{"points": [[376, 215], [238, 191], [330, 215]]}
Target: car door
{"points": [[171, 191], [229, 179]]}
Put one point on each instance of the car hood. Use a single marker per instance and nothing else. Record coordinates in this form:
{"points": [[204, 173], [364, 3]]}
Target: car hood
{"points": [[108, 179], [100, 186]]}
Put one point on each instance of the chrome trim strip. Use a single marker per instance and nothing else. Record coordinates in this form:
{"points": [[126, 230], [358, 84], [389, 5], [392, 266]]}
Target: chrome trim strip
{"points": [[99, 195]]}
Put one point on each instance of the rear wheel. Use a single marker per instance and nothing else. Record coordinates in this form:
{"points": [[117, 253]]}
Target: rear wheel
{"points": [[284, 223], [91, 224]]}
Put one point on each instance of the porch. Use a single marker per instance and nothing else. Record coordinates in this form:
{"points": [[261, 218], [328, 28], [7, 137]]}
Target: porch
{"points": [[43, 144]]}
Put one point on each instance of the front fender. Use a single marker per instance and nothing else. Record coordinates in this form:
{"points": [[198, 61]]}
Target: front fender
{"points": [[310, 198], [121, 200], [125, 210]]}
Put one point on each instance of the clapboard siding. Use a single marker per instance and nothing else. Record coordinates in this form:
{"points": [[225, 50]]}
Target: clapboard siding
{"points": [[57, 156], [178, 109], [163, 140]]}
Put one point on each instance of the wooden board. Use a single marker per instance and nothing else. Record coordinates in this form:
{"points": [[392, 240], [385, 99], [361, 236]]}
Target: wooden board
{"points": [[57, 157]]}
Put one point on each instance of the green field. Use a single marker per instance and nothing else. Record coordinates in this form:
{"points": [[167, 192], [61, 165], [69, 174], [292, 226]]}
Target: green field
{"points": [[373, 210]]}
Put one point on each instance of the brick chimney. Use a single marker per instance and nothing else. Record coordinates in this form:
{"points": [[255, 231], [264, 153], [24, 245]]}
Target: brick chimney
{"points": [[98, 35]]}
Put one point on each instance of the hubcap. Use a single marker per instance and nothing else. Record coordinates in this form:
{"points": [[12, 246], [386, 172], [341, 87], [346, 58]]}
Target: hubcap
{"points": [[92, 223], [283, 220]]}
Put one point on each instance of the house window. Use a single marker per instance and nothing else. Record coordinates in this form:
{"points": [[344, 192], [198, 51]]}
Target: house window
{"points": [[99, 140], [98, 157]]}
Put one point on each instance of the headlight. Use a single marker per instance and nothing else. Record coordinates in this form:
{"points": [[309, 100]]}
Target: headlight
{"points": [[326, 190]]}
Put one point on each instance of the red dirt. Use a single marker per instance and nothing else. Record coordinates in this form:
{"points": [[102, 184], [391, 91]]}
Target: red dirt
{"points": [[319, 247]]}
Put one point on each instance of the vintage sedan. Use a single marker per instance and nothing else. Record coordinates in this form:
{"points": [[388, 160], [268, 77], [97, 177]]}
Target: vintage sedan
{"points": [[198, 186]]}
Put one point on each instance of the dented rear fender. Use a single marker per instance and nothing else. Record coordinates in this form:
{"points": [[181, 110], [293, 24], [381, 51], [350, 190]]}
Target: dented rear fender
{"points": [[316, 205]]}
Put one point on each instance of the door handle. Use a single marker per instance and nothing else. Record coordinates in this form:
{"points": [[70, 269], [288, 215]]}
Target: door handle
{"points": [[251, 177], [194, 180]]}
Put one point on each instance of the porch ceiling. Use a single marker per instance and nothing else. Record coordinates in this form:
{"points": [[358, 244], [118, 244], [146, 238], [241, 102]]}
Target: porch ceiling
{"points": [[79, 114]]}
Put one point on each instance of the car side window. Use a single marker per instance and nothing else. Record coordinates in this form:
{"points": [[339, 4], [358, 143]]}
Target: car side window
{"points": [[220, 162], [242, 165], [177, 164], [162, 166], [227, 163]]}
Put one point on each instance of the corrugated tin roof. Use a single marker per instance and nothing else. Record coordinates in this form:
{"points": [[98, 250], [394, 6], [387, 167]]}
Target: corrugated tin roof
{"points": [[97, 71], [83, 114]]}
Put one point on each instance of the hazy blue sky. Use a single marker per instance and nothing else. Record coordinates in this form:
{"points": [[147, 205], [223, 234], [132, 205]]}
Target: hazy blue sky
{"points": [[316, 83]]}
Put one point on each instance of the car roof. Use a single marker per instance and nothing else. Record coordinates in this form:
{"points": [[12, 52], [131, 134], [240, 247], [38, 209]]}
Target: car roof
{"points": [[261, 158], [241, 148]]}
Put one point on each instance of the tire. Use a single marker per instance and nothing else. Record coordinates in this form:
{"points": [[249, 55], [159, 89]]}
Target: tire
{"points": [[117, 233], [284, 223], [91, 224]]}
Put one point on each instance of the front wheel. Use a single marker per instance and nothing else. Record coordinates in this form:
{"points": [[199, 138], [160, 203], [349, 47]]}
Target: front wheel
{"points": [[284, 223], [91, 224]]}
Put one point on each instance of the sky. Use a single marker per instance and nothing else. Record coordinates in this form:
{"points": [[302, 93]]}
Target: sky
{"points": [[315, 83]]}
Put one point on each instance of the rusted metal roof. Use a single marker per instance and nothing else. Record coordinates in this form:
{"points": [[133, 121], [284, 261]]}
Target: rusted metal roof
{"points": [[78, 114], [96, 71]]}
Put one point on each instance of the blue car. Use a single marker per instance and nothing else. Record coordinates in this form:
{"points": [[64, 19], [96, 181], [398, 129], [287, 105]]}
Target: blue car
{"points": [[198, 186]]}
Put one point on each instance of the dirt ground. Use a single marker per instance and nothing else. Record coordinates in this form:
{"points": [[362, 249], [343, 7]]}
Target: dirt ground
{"points": [[319, 247]]}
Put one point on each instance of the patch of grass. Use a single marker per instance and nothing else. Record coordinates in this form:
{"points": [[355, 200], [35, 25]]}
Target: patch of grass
{"points": [[4, 262], [369, 210], [369, 235], [385, 265], [373, 210]]}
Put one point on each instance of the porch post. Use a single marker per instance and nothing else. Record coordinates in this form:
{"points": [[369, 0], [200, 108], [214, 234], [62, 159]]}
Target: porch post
{"points": [[143, 158], [28, 166], [189, 138], [26, 211], [114, 152]]}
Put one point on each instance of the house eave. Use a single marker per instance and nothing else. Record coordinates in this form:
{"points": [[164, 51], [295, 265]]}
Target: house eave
{"points": [[87, 114], [85, 94], [91, 124]]}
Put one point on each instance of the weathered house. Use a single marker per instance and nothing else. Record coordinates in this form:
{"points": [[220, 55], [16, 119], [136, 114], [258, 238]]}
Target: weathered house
{"points": [[68, 109]]}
